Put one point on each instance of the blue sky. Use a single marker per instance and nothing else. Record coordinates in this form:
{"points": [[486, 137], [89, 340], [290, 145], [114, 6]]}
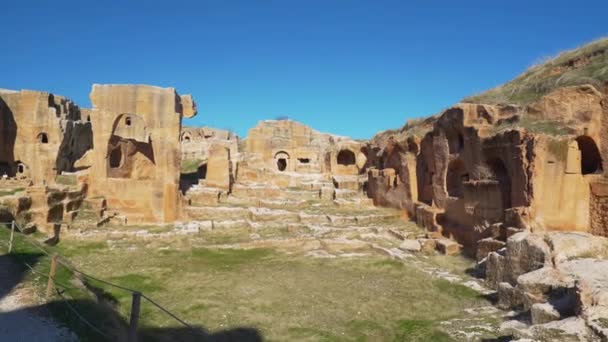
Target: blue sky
{"points": [[342, 66]]}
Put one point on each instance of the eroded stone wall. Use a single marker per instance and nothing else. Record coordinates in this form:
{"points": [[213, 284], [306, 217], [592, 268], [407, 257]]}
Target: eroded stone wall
{"points": [[481, 165], [41, 136], [136, 161]]}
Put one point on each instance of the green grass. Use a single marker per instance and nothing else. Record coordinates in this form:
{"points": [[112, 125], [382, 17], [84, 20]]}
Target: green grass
{"points": [[533, 125], [585, 65], [228, 258], [79, 298], [191, 165], [69, 180], [284, 296], [10, 192], [420, 330]]}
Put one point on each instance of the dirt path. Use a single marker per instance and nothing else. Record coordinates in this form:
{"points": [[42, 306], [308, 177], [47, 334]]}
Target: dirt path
{"points": [[21, 316]]}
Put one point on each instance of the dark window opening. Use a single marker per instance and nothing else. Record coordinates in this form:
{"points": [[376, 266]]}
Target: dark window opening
{"points": [[116, 158], [128, 121], [43, 138], [304, 160], [201, 172], [88, 118], [501, 174], [281, 164], [187, 139], [454, 178], [591, 160], [20, 168], [346, 157], [5, 169], [208, 136]]}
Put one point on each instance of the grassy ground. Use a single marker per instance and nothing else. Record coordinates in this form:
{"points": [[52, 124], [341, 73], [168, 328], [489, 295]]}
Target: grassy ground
{"points": [[10, 192], [190, 165], [284, 297]]}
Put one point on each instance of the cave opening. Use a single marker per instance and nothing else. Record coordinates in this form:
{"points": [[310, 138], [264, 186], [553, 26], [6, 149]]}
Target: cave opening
{"points": [[116, 157], [591, 160], [346, 157], [455, 177]]}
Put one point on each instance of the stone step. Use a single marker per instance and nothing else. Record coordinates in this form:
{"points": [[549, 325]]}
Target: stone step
{"points": [[347, 194], [266, 214], [200, 196], [218, 213], [347, 183]]}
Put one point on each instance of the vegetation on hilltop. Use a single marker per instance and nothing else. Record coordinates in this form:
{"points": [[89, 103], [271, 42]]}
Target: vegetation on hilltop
{"points": [[585, 65]]}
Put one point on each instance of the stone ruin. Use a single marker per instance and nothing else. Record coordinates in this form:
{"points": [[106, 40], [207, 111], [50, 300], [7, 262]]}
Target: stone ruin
{"points": [[477, 167], [122, 155], [521, 189]]}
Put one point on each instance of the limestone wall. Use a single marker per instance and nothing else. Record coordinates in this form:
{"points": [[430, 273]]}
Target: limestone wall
{"points": [[285, 146], [41, 135], [136, 159], [598, 206], [482, 165]]}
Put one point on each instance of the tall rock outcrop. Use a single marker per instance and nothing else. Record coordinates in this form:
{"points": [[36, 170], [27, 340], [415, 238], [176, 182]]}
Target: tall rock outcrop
{"points": [[136, 160]]}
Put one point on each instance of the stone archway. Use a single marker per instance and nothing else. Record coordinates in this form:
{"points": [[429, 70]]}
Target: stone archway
{"points": [[591, 160], [346, 157], [282, 160], [130, 153]]}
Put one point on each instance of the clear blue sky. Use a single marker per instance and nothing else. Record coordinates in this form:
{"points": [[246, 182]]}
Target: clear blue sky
{"points": [[343, 66]]}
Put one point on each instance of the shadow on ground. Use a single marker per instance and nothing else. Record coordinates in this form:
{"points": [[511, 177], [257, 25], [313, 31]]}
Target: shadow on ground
{"points": [[101, 313]]}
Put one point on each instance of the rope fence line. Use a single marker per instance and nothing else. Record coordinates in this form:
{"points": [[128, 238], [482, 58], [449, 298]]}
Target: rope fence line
{"points": [[53, 284]]}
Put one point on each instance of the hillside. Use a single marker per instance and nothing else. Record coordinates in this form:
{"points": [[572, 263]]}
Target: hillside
{"points": [[585, 65]]}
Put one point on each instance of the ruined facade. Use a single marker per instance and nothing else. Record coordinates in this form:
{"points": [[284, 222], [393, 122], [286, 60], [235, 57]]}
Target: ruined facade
{"points": [[212, 154], [287, 146], [136, 160], [41, 136], [482, 165]]}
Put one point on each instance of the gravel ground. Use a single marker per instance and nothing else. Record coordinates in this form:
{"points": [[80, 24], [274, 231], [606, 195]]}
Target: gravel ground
{"points": [[22, 319]]}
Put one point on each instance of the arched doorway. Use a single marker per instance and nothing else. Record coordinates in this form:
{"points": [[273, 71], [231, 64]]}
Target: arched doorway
{"points": [[346, 157], [591, 160], [456, 175], [282, 160], [116, 157], [501, 174]]}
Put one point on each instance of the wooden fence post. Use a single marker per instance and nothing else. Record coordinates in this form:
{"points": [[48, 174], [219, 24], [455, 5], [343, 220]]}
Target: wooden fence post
{"points": [[10, 242], [134, 317], [51, 284]]}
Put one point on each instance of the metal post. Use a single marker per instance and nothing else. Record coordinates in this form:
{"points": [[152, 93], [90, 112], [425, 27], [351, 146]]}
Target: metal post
{"points": [[134, 317], [10, 242], [51, 284]]}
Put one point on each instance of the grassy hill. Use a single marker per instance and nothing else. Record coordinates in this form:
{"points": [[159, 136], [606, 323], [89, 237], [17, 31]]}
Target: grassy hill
{"points": [[585, 65]]}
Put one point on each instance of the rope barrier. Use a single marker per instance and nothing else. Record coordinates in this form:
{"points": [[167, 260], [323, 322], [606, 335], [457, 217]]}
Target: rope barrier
{"points": [[80, 317], [167, 312], [69, 267], [85, 275]]}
